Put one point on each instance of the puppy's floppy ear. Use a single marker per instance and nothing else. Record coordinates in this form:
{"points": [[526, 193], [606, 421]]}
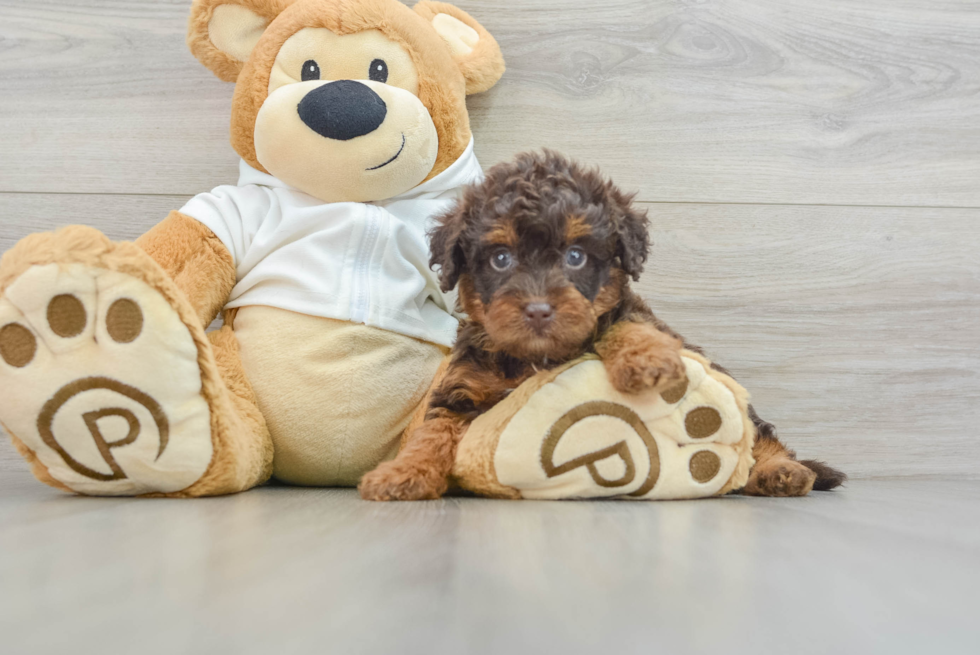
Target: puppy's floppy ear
{"points": [[632, 229], [446, 246], [222, 33], [473, 49]]}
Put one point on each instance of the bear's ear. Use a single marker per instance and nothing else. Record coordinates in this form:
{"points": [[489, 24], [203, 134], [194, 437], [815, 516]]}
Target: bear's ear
{"points": [[222, 33], [474, 50]]}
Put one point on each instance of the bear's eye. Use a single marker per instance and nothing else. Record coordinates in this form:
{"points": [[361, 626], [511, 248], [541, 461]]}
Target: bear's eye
{"points": [[311, 70], [501, 260], [575, 258], [378, 71]]}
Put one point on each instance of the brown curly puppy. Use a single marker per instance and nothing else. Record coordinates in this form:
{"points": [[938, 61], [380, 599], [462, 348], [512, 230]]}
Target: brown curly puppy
{"points": [[543, 251]]}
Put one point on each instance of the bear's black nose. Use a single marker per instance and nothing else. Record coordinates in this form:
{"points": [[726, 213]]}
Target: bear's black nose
{"points": [[342, 110]]}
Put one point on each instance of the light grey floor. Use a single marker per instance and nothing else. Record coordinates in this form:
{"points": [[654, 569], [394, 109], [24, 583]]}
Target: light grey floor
{"points": [[881, 566]]}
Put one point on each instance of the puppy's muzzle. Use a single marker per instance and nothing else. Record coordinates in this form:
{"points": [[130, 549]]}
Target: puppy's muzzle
{"points": [[539, 315], [342, 110]]}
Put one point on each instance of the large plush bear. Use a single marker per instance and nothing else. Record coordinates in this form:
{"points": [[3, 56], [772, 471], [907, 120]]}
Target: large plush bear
{"points": [[351, 122]]}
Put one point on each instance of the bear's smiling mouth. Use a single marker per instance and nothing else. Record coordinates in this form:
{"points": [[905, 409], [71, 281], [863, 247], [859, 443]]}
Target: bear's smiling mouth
{"points": [[374, 168]]}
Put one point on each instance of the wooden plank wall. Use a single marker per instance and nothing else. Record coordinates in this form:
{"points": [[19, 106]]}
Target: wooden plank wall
{"points": [[812, 171]]}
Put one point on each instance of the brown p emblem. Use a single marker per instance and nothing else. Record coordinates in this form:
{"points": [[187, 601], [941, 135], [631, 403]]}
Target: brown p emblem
{"points": [[45, 420], [620, 449]]}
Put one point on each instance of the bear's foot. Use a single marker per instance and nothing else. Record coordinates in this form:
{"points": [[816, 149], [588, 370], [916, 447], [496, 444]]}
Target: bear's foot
{"points": [[102, 387], [571, 433]]}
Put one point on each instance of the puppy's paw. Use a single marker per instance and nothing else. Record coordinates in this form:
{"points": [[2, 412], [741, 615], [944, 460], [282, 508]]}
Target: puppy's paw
{"points": [[400, 480], [646, 371], [780, 477], [641, 358]]}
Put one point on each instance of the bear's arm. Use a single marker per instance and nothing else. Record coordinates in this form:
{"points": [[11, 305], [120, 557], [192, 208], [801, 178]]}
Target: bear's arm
{"points": [[196, 259]]}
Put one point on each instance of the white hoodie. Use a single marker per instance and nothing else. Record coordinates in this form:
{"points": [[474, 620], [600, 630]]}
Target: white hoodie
{"points": [[361, 262]]}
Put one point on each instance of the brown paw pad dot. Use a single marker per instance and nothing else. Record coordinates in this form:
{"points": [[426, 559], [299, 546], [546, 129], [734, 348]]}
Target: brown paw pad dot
{"points": [[17, 345], [702, 422], [66, 315], [675, 393], [124, 320], [704, 466]]}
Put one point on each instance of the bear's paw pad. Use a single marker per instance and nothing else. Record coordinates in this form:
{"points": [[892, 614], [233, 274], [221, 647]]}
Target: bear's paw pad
{"points": [[101, 381], [575, 436]]}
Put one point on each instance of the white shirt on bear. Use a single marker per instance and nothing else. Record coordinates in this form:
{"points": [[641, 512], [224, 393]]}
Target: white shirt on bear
{"points": [[361, 262]]}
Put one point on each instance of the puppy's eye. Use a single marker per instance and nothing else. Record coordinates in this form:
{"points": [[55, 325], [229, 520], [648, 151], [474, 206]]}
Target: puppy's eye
{"points": [[311, 70], [378, 71], [575, 257], [501, 260]]}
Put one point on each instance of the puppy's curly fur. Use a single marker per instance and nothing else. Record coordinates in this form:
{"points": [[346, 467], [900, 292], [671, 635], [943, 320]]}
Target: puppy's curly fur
{"points": [[542, 252]]}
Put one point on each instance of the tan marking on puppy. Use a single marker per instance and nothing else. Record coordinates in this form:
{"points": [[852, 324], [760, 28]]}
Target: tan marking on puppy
{"points": [[574, 320], [470, 300], [639, 357], [422, 468], [466, 381], [610, 294], [504, 322], [502, 234], [576, 228]]}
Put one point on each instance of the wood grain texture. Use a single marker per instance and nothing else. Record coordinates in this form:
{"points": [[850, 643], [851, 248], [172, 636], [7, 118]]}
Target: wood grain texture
{"points": [[787, 101], [775, 101], [855, 328], [879, 567]]}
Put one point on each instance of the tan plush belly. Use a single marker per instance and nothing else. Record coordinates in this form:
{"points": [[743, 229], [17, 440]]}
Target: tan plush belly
{"points": [[336, 395]]}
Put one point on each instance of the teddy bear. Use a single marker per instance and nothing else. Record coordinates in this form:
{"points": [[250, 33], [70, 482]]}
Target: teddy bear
{"points": [[351, 123]]}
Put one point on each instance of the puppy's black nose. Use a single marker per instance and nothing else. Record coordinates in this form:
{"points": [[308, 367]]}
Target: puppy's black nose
{"points": [[342, 110], [538, 314]]}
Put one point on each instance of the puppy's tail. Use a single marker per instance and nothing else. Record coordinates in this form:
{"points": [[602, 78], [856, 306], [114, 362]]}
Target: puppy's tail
{"points": [[827, 477]]}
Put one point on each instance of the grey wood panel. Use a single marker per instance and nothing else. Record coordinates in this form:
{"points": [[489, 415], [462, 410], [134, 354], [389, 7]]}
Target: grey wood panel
{"points": [[120, 217], [877, 567], [855, 328], [782, 101]]}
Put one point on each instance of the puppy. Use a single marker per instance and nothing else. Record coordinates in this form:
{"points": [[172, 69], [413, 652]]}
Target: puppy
{"points": [[543, 252]]}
